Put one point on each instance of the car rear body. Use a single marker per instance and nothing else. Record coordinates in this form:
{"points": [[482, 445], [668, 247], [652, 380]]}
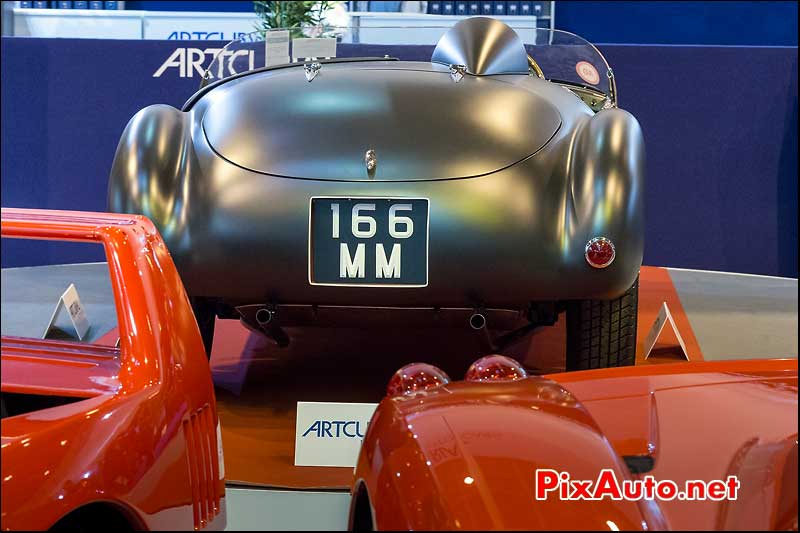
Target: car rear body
{"points": [[518, 172], [464, 455], [132, 429]]}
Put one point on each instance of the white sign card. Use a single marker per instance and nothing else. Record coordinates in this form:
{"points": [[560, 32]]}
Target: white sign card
{"points": [[276, 48], [316, 47], [664, 317], [77, 315], [330, 433]]}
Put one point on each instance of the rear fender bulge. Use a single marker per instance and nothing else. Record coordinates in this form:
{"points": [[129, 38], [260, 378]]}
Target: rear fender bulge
{"points": [[51, 468], [606, 169], [152, 167], [393, 497], [465, 455], [767, 475]]}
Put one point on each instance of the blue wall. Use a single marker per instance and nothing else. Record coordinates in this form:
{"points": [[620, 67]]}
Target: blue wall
{"points": [[638, 22], [719, 23], [720, 125]]}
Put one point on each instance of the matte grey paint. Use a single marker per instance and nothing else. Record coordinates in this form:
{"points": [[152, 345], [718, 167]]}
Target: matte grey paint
{"points": [[513, 235], [321, 130]]}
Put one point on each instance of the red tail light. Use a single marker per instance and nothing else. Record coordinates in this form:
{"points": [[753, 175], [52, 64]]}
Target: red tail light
{"points": [[416, 377], [600, 252], [495, 368]]}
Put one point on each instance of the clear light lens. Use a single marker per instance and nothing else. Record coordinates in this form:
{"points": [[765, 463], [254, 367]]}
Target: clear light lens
{"points": [[495, 368], [416, 377]]}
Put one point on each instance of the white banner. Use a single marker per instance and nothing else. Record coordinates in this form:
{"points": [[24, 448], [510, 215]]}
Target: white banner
{"points": [[330, 433], [133, 24], [317, 47], [196, 26]]}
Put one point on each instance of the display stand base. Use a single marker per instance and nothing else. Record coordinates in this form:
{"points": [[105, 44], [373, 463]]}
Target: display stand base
{"points": [[259, 384]]}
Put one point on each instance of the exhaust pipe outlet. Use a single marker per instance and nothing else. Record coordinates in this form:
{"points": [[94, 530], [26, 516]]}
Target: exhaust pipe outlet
{"points": [[477, 321], [263, 319], [264, 316]]}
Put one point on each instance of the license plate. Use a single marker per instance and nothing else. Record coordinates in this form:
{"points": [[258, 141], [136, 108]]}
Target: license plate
{"points": [[371, 242]]}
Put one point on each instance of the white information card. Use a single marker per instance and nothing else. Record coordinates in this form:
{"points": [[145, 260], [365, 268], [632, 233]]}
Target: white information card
{"points": [[330, 433], [664, 317], [77, 315], [276, 47], [316, 47]]}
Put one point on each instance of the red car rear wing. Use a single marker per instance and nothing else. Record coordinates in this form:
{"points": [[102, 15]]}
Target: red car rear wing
{"points": [[153, 311]]}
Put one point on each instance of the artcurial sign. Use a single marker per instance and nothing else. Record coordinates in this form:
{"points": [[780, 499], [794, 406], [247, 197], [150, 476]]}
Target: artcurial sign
{"points": [[190, 62], [329, 433]]}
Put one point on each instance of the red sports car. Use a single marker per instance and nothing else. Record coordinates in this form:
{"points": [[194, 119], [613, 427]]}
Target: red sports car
{"points": [[102, 438], [703, 445]]}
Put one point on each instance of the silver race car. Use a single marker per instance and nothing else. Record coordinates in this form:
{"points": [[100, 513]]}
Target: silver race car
{"points": [[493, 186]]}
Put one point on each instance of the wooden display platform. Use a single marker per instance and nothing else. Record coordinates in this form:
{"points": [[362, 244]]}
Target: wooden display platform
{"points": [[259, 384]]}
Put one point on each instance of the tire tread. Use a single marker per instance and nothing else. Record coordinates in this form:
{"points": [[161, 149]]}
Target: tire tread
{"points": [[602, 333]]}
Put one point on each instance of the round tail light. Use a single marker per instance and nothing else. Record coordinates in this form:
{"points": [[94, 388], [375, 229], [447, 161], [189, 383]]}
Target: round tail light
{"points": [[416, 377], [495, 368], [600, 252]]}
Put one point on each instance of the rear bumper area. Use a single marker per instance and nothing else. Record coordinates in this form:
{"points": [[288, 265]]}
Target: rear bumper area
{"points": [[291, 315]]}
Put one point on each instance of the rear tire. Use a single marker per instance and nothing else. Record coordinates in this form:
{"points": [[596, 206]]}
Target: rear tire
{"points": [[602, 333], [205, 313]]}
